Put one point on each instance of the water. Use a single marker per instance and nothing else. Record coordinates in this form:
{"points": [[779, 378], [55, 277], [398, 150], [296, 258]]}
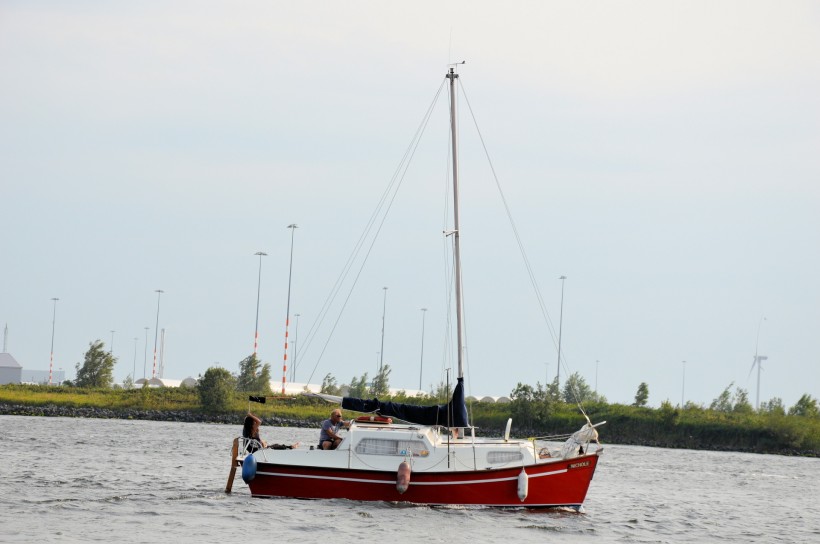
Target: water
{"points": [[68, 480]]}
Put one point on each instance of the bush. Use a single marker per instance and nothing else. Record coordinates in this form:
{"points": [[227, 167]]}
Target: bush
{"points": [[216, 389]]}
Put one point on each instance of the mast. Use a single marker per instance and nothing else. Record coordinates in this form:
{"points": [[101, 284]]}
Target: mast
{"points": [[456, 245]]}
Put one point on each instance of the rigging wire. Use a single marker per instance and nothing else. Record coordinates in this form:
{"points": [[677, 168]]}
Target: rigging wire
{"points": [[520, 243], [382, 209]]}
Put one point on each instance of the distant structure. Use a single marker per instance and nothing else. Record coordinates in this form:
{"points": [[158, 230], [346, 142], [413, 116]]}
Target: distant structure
{"points": [[10, 370], [40, 377], [13, 372], [166, 382], [758, 360], [492, 400]]}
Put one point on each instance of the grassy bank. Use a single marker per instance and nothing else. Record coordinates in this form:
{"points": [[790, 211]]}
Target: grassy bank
{"points": [[664, 427]]}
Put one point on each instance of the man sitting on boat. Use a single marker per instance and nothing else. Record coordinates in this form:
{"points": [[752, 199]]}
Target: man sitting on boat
{"points": [[329, 438]]}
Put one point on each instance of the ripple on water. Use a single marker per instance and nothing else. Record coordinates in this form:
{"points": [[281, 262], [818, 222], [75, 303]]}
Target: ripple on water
{"points": [[139, 488]]}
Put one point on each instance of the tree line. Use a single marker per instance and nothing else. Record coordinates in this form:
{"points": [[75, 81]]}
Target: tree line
{"points": [[531, 407]]}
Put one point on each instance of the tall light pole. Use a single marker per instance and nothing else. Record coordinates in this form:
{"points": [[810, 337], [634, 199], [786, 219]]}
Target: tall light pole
{"points": [[295, 344], [421, 363], [134, 370], [683, 386], [156, 334], [145, 357], [384, 313], [258, 292], [51, 359], [292, 227], [560, 329], [111, 347]]}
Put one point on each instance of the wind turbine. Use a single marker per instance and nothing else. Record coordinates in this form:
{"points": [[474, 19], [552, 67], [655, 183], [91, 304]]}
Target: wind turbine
{"points": [[758, 359]]}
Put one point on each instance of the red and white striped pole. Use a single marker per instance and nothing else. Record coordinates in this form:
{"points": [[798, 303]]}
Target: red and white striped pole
{"points": [[156, 334], [292, 228], [285, 360]]}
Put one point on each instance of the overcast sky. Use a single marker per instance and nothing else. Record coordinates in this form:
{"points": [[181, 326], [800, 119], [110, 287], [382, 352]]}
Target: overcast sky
{"points": [[664, 156]]}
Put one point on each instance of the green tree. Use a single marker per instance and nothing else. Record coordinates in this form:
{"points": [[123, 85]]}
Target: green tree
{"points": [[98, 368], [522, 407], [741, 404], [441, 393], [669, 414], [553, 392], [329, 386], [264, 380], [692, 405], [215, 389], [253, 376], [128, 382], [774, 406], [642, 396], [381, 383], [723, 403], [576, 389], [806, 406], [358, 387]]}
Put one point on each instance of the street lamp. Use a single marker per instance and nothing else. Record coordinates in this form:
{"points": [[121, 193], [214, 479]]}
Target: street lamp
{"points": [[560, 328], [111, 347], [384, 312], [683, 385], [156, 333], [258, 291], [292, 227], [421, 363], [145, 356], [134, 369], [51, 359]]}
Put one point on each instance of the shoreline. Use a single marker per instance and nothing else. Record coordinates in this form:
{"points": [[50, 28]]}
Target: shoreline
{"points": [[186, 416]]}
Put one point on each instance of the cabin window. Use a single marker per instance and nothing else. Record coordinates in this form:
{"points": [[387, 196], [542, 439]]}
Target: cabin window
{"points": [[501, 457], [384, 446]]}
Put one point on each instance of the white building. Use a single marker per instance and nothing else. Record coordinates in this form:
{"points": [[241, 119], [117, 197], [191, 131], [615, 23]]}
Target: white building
{"points": [[10, 370], [166, 382]]}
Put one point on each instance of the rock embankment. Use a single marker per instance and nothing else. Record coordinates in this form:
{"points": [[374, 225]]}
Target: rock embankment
{"points": [[184, 416]]}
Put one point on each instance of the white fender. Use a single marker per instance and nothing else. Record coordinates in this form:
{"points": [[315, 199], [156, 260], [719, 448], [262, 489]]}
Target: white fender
{"points": [[507, 430], [523, 485], [403, 477]]}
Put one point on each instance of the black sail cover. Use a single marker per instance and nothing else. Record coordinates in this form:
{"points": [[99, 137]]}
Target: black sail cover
{"points": [[452, 414]]}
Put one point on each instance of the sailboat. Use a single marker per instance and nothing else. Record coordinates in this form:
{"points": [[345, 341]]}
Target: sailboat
{"points": [[427, 454]]}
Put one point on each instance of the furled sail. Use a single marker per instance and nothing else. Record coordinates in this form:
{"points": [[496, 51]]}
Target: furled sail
{"points": [[453, 414]]}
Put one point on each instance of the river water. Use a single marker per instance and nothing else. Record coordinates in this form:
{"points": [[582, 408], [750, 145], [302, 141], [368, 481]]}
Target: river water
{"points": [[69, 480]]}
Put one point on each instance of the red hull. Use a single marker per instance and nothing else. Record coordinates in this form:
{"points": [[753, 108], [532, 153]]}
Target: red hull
{"points": [[563, 483]]}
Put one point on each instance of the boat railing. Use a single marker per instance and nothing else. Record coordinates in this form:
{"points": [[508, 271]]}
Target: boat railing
{"points": [[245, 445], [566, 446]]}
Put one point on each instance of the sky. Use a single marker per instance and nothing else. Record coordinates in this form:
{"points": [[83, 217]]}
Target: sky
{"points": [[663, 156]]}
